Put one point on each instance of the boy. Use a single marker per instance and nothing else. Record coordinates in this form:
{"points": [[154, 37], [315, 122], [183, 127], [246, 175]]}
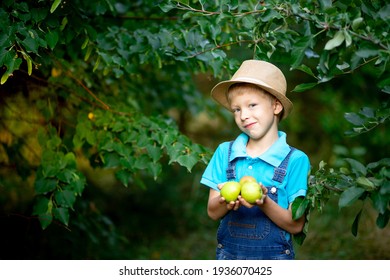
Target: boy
{"points": [[256, 95]]}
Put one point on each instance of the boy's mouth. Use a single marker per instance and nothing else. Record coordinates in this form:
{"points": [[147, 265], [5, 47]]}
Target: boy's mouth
{"points": [[249, 125]]}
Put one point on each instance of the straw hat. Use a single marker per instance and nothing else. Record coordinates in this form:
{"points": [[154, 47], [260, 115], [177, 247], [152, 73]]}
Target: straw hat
{"points": [[261, 73]]}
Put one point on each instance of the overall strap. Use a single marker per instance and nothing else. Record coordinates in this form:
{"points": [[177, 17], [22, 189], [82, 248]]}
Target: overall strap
{"points": [[231, 169], [281, 170]]}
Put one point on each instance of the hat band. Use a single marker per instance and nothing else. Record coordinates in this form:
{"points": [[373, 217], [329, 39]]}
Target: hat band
{"points": [[251, 81]]}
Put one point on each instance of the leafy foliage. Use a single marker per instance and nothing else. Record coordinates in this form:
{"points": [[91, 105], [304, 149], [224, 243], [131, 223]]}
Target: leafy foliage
{"points": [[352, 182], [101, 77]]}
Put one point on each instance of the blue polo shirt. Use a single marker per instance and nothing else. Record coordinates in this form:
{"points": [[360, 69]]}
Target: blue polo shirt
{"points": [[261, 167]]}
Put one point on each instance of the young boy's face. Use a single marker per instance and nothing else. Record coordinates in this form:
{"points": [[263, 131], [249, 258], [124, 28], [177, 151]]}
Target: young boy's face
{"points": [[255, 111]]}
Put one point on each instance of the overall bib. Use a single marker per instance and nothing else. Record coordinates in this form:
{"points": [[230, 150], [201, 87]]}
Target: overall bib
{"points": [[248, 233]]}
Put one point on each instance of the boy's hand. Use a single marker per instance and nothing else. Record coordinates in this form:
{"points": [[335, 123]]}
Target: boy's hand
{"points": [[259, 202], [232, 205]]}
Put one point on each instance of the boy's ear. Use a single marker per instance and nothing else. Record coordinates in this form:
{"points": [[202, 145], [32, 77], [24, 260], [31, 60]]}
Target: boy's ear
{"points": [[278, 107]]}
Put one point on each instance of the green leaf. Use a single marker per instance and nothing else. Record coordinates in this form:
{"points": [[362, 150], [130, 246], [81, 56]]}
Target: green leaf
{"points": [[380, 202], [383, 219], [187, 161], [61, 214], [70, 160], [66, 175], [45, 220], [40, 205], [174, 151], [43, 185], [52, 39], [366, 53], [143, 140], [38, 14], [367, 112], [336, 41], [29, 64], [184, 2], [365, 183], [356, 23], [155, 168], [111, 159], [55, 5], [348, 38], [65, 198], [307, 70], [4, 78], [304, 87], [299, 238], [12, 62], [124, 176], [325, 4], [299, 207], [51, 168], [31, 44], [166, 7], [355, 224], [349, 196], [64, 22], [78, 184], [383, 162], [54, 142], [299, 49], [141, 162], [354, 118], [154, 152], [247, 22], [356, 167]]}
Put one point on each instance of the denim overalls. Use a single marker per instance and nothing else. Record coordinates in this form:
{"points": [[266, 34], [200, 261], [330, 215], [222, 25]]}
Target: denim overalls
{"points": [[248, 233]]}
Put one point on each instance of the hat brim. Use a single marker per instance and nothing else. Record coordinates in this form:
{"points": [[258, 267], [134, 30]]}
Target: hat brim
{"points": [[219, 93]]}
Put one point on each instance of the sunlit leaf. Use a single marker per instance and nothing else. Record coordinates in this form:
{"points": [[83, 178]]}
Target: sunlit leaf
{"points": [[55, 5], [336, 41], [366, 183]]}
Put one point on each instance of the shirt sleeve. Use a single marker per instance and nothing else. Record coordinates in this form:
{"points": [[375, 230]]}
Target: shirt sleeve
{"points": [[215, 172], [298, 176]]}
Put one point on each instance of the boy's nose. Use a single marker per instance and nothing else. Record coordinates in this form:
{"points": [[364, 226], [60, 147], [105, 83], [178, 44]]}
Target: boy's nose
{"points": [[244, 114]]}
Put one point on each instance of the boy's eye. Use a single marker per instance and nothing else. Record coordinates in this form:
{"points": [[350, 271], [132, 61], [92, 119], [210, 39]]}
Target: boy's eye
{"points": [[236, 110], [252, 105]]}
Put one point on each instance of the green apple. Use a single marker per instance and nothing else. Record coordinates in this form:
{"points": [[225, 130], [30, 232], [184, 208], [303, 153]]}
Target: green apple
{"points": [[251, 191], [247, 178], [230, 191]]}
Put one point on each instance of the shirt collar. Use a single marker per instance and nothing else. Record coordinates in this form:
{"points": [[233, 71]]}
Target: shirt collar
{"points": [[274, 155]]}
